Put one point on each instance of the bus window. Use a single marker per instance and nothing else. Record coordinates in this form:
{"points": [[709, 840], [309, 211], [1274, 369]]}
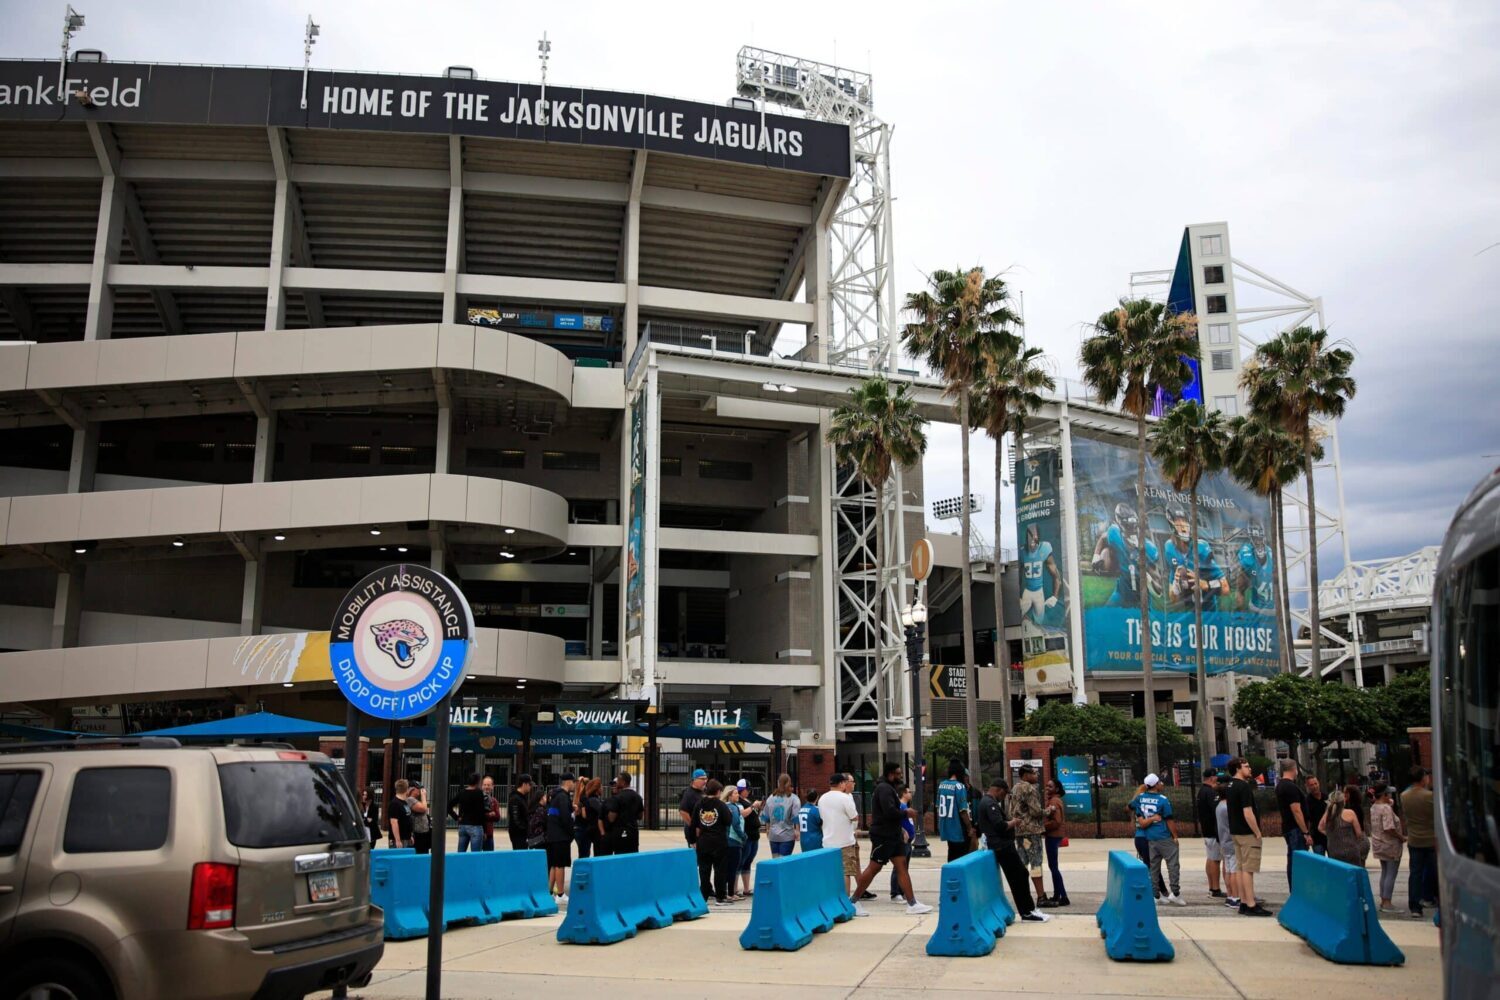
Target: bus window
{"points": [[1470, 706]]}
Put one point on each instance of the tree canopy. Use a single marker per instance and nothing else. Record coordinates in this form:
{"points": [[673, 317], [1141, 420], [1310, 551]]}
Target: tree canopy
{"points": [[1080, 728], [1405, 702], [1292, 708]]}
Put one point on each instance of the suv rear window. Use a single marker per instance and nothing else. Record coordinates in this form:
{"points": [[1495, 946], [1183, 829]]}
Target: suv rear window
{"points": [[17, 790], [287, 803], [118, 809]]}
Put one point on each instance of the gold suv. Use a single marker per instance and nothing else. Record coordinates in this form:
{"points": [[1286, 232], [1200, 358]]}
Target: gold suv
{"points": [[143, 869]]}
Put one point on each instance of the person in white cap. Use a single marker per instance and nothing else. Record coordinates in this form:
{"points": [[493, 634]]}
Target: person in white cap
{"points": [[1153, 812], [751, 813]]}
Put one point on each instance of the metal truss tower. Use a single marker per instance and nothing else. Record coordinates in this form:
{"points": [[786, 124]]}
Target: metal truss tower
{"points": [[863, 336], [1286, 308]]}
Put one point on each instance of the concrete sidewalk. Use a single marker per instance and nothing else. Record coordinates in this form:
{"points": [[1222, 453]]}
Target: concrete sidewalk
{"points": [[1218, 954]]}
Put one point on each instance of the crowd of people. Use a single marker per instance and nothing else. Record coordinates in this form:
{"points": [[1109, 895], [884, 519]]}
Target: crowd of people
{"points": [[1349, 824], [575, 813], [1022, 826]]}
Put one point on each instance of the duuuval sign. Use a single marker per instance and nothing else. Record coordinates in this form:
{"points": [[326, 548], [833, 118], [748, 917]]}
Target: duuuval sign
{"points": [[597, 718]]}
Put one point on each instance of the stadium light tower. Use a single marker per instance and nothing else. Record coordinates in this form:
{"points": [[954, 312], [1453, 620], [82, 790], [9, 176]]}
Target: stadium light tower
{"points": [[544, 53], [72, 21], [862, 335], [308, 37]]}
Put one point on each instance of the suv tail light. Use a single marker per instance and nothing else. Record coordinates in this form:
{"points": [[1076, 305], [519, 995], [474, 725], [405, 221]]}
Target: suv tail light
{"points": [[211, 903]]}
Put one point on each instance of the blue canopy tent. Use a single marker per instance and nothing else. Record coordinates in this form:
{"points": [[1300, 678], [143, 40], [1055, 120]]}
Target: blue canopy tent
{"points": [[256, 726], [16, 730]]}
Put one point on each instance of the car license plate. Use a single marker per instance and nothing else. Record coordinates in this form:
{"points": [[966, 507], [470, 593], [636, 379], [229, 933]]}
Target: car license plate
{"points": [[322, 887]]}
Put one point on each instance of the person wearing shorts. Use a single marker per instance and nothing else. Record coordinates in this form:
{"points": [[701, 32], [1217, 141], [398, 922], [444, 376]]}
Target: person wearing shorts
{"points": [[887, 843], [1208, 829], [560, 837], [1225, 842], [1026, 809], [1245, 827], [839, 815]]}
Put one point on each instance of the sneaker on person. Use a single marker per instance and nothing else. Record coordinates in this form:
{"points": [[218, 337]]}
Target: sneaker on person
{"points": [[1254, 911], [1233, 902], [860, 911], [868, 895], [562, 900], [1175, 899], [1216, 893], [912, 909], [1047, 903], [1064, 901], [1036, 916], [896, 897]]}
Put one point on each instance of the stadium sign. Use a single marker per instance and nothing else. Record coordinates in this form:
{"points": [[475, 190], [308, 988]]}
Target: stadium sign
{"points": [[223, 95], [399, 641], [596, 717], [727, 718]]}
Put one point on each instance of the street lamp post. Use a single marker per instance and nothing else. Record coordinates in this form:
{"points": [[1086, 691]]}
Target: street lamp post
{"points": [[914, 621]]}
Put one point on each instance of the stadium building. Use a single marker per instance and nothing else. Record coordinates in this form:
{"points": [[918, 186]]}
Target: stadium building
{"points": [[266, 330]]}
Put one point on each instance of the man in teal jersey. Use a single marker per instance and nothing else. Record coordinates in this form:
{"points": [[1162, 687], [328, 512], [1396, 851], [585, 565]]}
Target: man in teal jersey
{"points": [[810, 823], [953, 822], [1153, 814]]}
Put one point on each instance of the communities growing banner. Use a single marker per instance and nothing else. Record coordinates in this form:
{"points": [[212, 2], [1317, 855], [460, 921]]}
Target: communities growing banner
{"points": [[1043, 611], [1233, 567]]}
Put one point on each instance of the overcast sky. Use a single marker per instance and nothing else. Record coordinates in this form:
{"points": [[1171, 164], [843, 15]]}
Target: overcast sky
{"points": [[1352, 147]]}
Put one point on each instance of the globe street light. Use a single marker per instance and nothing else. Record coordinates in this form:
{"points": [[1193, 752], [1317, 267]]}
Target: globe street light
{"points": [[914, 622]]}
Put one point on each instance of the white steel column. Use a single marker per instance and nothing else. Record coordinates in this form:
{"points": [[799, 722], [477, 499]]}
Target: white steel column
{"points": [[101, 308], [1070, 554], [630, 256], [281, 230], [253, 597], [454, 258]]}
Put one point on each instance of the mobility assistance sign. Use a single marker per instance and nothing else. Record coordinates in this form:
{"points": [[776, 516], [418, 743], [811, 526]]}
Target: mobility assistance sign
{"points": [[400, 640], [372, 102]]}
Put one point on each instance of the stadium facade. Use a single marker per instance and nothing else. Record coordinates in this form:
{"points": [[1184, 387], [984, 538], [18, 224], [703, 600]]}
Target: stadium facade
{"points": [[265, 331]]}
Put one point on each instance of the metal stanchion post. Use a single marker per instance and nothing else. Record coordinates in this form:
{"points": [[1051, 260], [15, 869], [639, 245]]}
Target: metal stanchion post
{"points": [[914, 620]]}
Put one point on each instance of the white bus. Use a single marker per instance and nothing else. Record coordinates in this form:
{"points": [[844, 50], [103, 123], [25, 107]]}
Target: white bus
{"points": [[1466, 743]]}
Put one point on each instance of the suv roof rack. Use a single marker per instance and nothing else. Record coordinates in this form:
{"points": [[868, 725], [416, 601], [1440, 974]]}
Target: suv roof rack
{"points": [[95, 743]]}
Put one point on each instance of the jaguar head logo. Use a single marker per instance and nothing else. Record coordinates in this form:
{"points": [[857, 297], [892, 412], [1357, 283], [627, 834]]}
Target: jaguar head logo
{"points": [[568, 716], [401, 640]]}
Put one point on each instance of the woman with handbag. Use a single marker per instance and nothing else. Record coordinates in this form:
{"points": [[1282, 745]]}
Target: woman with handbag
{"points": [[1055, 828]]}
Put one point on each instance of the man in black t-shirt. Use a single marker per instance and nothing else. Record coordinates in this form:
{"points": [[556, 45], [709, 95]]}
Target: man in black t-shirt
{"points": [[400, 814], [1208, 829], [1245, 828], [992, 819], [515, 813], [708, 831], [687, 806], [560, 837], [887, 845], [1292, 804], [622, 817]]}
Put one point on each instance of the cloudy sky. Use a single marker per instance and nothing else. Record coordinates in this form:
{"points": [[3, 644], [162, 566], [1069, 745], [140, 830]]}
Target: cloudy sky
{"points": [[1351, 146]]}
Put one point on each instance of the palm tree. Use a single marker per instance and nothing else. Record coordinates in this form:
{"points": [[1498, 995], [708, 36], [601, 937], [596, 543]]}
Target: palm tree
{"points": [[1138, 349], [1268, 460], [1009, 390], [1296, 378], [876, 429], [1189, 443], [957, 320]]}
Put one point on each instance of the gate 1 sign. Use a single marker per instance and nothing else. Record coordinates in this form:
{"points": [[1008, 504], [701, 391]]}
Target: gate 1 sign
{"points": [[729, 718], [1078, 795], [399, 641]]}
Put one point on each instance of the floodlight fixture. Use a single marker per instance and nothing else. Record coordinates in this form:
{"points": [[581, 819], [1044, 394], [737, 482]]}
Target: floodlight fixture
{"points": [[951, 508]]}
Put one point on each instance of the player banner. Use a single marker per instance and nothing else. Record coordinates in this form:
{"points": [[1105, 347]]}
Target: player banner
{"points": [[1232, 568], [1043, 611]]}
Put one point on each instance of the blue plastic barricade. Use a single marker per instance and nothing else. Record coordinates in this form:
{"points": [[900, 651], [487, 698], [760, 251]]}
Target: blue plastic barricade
{"points": [[611, 898], [1127, 917], [795, 897], [972, 911], [386, 852], [478, 888], [1333, 910]]}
